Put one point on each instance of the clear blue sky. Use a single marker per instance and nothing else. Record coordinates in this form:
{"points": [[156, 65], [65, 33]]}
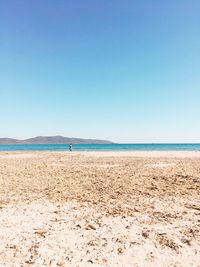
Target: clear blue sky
{"points": [[128, 71]]}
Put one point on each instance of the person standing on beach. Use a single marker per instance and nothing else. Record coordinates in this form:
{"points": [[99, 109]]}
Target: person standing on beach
{"points": [[70, 147]]}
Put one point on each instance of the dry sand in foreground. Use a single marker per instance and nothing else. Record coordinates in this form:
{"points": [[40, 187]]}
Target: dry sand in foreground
{"points": [[100, 209]]}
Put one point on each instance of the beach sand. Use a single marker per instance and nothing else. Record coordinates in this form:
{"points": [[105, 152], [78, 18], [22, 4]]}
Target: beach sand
{"points": [[100, 209]]}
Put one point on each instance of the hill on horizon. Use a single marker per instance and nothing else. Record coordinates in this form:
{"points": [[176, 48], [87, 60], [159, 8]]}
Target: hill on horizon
{"points": [[53, 140]]}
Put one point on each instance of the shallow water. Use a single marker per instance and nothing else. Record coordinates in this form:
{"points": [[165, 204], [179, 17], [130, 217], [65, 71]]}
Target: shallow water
{"points": [[103, 147]]}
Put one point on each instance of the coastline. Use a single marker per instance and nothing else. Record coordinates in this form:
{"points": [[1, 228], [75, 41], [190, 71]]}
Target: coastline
{"points": [[102, 147], [109, 153]]}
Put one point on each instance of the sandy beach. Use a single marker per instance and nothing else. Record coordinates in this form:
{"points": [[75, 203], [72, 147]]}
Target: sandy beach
{"points": [[100, 209]]}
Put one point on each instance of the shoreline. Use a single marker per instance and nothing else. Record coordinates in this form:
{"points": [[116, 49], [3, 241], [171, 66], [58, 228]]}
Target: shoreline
{"points": [[109, 153]]}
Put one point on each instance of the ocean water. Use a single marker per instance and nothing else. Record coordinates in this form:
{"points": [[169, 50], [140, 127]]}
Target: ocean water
{"points": [[102, 147]]}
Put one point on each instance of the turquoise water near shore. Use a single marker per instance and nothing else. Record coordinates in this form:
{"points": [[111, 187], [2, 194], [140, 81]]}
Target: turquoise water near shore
{"points": [[102, 147]]}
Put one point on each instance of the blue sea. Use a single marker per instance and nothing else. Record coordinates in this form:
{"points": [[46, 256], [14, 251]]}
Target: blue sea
{"points": [[103, 147]]}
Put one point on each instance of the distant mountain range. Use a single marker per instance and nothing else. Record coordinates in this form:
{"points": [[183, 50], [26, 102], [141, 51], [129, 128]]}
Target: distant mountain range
{"points": [[53, 140]]}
